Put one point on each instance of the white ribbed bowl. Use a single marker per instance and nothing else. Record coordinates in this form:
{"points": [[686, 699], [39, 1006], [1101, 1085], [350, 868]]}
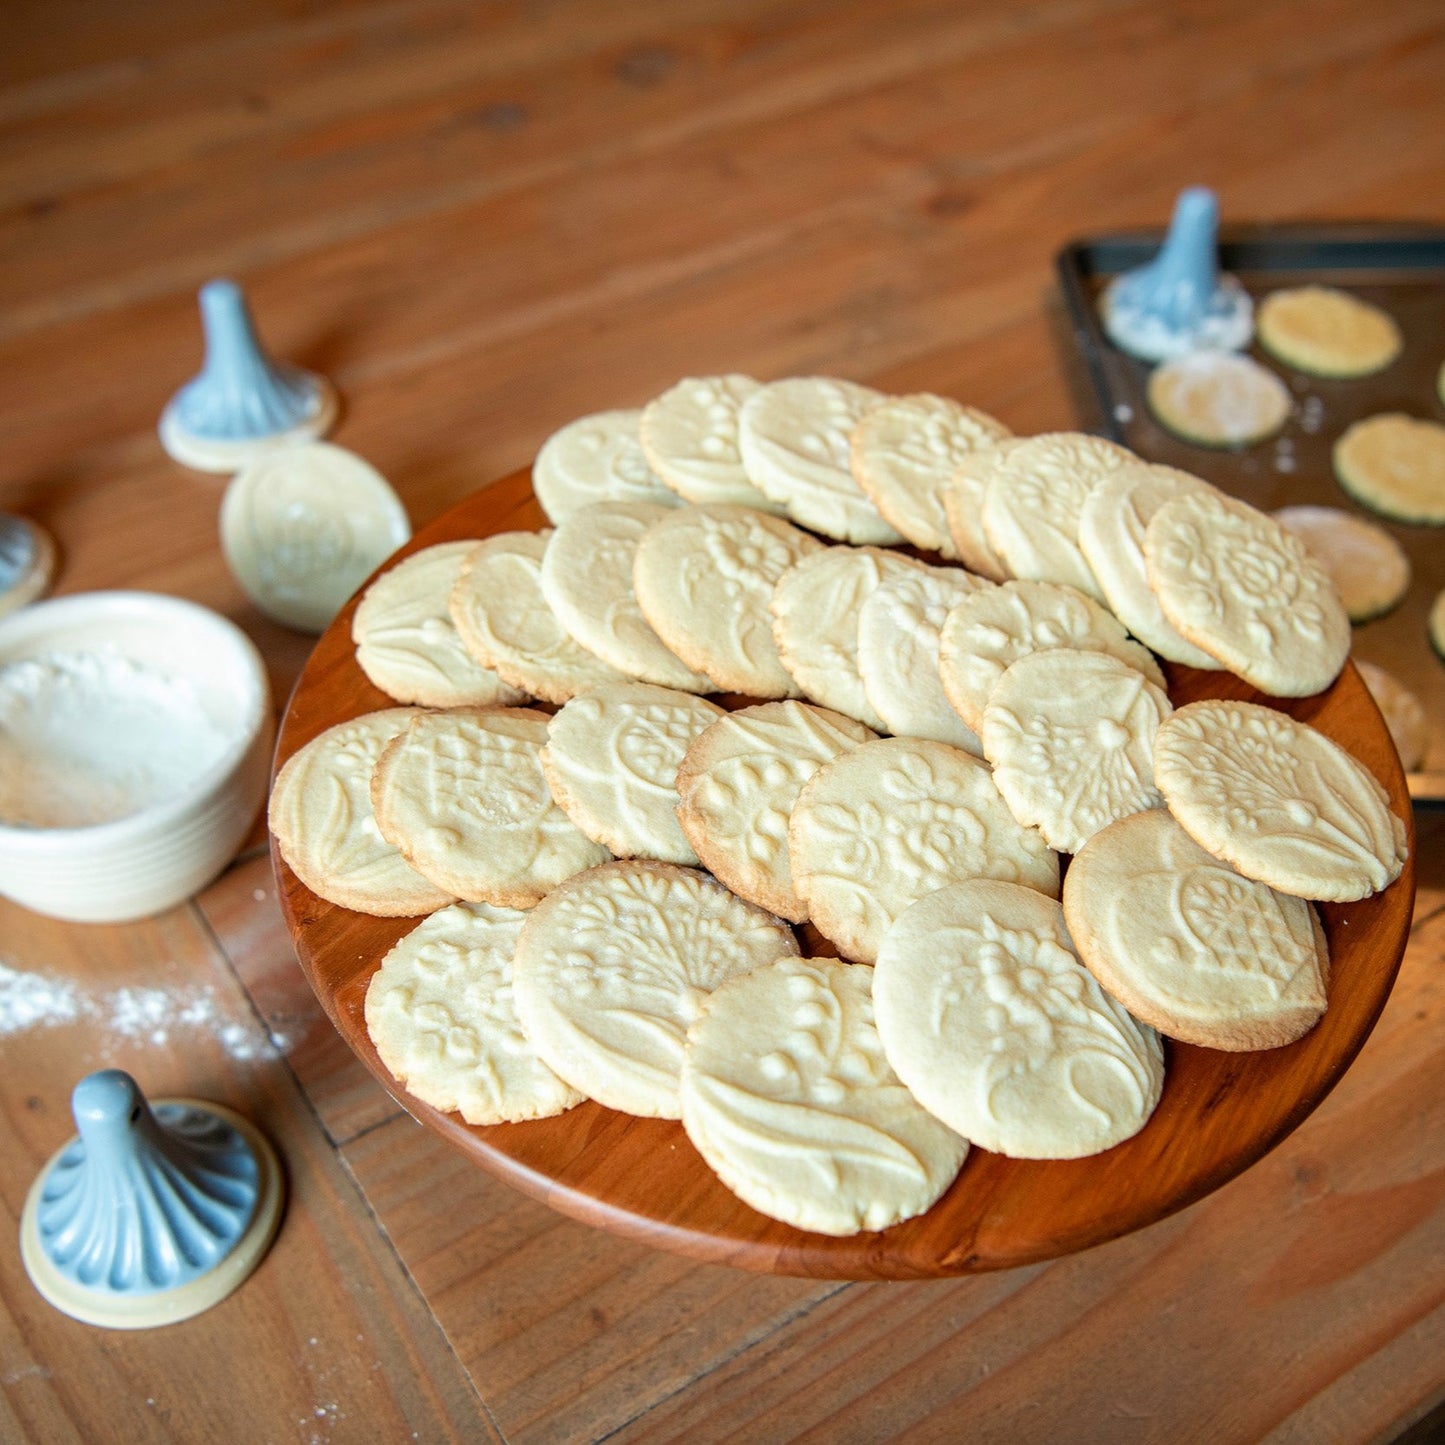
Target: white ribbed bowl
{"points": [[152, 859]]}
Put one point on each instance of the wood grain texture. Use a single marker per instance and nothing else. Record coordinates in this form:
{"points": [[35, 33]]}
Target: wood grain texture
{"points": [[642, 1178]]}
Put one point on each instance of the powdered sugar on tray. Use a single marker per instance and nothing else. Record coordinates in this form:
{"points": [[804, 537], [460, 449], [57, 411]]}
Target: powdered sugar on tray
{"points": [[127, 1015]]}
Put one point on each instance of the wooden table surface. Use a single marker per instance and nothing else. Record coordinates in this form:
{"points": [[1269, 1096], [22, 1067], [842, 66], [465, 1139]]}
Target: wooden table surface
{"points": [[482, 221]]}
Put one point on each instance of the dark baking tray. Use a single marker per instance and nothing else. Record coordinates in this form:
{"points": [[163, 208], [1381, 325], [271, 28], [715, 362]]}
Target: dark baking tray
{"points": [[1399, 267]]}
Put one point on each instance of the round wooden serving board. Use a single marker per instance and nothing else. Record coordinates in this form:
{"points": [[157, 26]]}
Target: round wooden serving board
{"points": [[641, 1177]]}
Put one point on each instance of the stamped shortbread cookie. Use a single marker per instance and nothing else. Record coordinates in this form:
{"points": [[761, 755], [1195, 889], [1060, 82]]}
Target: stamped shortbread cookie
{"points": [[1367, 565], [963, 508], [990, 1019], [1218, 399], [407, 644], [704, 577], [463, 795], [898, 630], [1070, 735], [998, 625], [1402, 710], [611, 761], [1327, 332], [320, 813], [1112, 525], [1395, 464], [441, 1014], [1236, 584], [587, 581], [690, 435], [794, 438], [1188, 945], [613, 967], [816, 606], [507, 624], [596, 458], [904, 453], [1278, 800], [738, 784], [888, 822], [1032, 502], [787, 1094]]}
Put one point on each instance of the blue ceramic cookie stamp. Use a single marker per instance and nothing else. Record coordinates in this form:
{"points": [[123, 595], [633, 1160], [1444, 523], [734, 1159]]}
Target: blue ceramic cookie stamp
{"points": [[1180, 302], [243, 402], [150, 1215], [27, 561]]}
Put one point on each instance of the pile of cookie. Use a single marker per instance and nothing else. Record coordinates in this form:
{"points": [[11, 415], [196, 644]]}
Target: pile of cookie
{"points": [[574, 945]]}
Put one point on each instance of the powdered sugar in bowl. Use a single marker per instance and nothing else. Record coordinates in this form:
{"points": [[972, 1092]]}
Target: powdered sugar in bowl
{"points": [[135, 746]]}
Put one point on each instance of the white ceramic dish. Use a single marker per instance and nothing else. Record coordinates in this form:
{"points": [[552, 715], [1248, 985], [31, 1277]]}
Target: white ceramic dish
{"points": [[152, 859]]}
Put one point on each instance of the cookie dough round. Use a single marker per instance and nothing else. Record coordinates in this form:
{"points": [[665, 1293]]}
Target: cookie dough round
{"points": [[1112, 525], [998, 1030], [463, 795], [1367, 565], [1218, 399], [320, 814], [738, 784], [690, 435], [794, 438], [587, 580], [1070, 737], [1278, 800], [611, 761], [898, 634], [613, 968], [1233, 582], [816, 605], [787, 1094], [407, 643], [905, 452], [1324, 331], [1403, 712], [1188, 945], [441, 1014], [884, 824], [1395, 464], [1032, 503], [704, 578], [998, 625], [506, 623], [596, 458]]}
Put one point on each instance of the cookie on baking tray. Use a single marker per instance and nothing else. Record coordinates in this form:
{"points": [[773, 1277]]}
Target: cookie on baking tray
{"points": [[586, 579], [1278, 800], [407, 644], [441, 1014], [997, 625], [690, 435], [1327, 332], [1367, 565], [596, 458], [1236, 584], [794, 438], [463, 795], [1218, 399], [904, 454], [996, 1027], [815, 607], [704, 577], [787, 1095], [898, 632], [1070, 736], [613, 967], [320, 813], [738, 784], [888, 822], [506, 623], [611, 762], [1395, 464], [1190, 946]]}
